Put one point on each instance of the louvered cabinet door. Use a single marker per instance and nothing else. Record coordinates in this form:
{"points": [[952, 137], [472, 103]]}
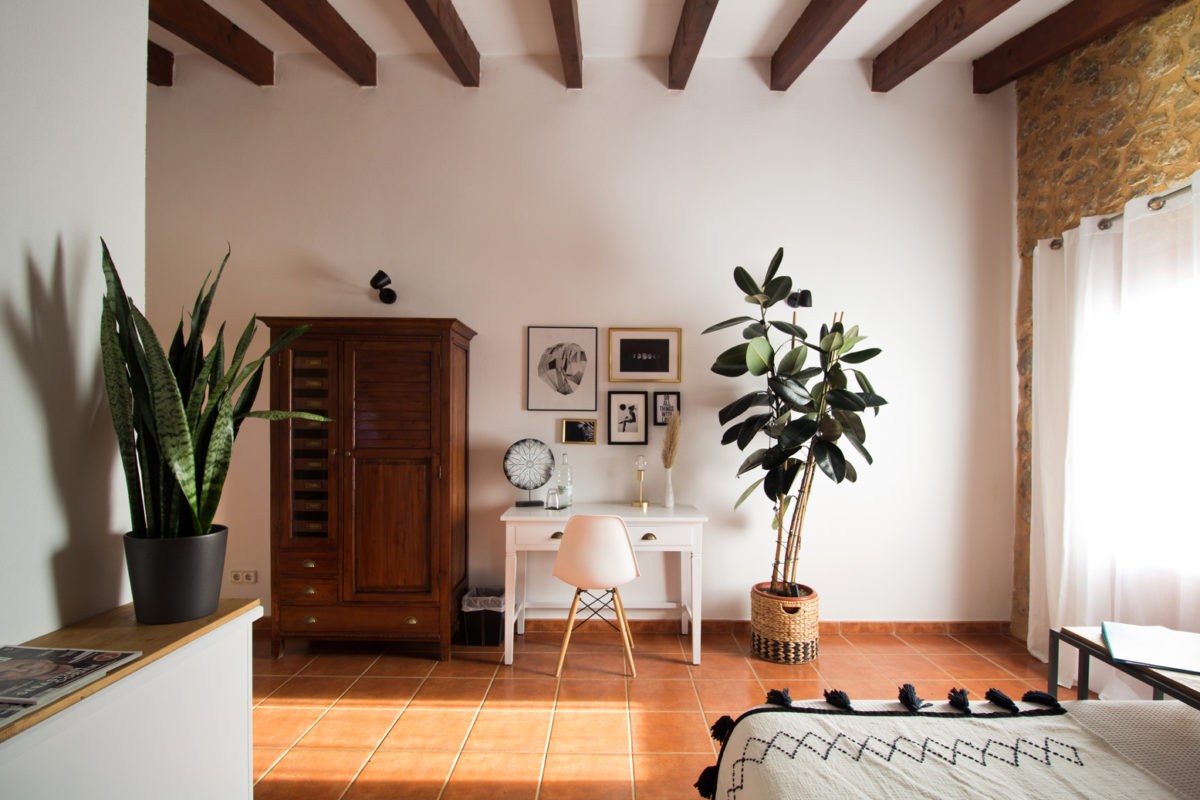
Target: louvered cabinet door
{"points": [[390, 551]]}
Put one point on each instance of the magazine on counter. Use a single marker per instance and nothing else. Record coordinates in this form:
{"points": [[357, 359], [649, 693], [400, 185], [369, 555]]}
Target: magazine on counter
{"points": [[1153, 646], [33, 676]]}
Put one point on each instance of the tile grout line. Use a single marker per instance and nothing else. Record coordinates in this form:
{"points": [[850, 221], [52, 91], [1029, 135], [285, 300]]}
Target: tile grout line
{"points": [[463, 744]]}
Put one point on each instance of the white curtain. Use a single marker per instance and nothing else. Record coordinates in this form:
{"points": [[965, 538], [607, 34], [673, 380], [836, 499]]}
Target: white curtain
{"points": [[1115, 526]]}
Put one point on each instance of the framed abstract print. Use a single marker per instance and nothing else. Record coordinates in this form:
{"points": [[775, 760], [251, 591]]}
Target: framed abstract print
{"points": [[561, 369]]}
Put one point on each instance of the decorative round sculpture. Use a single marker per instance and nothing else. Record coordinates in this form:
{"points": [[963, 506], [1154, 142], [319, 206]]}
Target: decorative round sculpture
{"points": [[528, 465]]}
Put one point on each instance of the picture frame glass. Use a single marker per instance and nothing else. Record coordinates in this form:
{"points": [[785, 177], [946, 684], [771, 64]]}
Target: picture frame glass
{"points": [[627, 420], [561, 368], [644, 355]]}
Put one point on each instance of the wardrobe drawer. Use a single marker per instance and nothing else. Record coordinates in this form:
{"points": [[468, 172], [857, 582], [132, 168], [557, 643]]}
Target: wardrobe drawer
{"points": [[307, 589], [397, 622], [306, 563]]}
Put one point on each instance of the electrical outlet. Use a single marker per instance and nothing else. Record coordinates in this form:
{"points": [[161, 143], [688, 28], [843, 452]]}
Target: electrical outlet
{"points": [[235, 576], [250, 576]]}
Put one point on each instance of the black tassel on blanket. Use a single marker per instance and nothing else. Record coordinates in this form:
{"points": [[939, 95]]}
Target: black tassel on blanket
{"points": [[958, 699], [779, 697], [706, 784], [838, 699], [721, 729], [999, 698], [1041, 698], [909, 699]]}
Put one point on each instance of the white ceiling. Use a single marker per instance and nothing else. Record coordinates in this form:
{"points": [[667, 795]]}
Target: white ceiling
{"points": [[620, 28]]}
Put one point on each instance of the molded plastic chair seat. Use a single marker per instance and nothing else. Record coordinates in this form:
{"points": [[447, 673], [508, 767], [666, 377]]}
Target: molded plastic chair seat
{"points": [[596, 555]]}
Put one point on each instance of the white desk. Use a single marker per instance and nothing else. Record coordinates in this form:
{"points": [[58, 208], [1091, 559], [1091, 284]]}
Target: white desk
{"points": [[657, 529]]}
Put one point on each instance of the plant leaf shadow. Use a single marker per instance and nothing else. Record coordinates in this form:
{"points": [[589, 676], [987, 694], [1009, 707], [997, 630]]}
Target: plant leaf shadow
{"points": [[68, 383]]}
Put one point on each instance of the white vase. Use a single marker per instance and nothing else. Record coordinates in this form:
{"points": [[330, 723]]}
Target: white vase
{"points": [[669, 493]]}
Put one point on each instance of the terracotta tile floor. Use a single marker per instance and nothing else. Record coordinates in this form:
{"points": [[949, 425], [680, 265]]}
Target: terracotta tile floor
{"points": [[351, 724]]}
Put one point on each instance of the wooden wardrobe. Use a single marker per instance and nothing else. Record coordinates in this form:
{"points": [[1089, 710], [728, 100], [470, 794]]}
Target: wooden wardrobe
{"points": [[369, 511]]}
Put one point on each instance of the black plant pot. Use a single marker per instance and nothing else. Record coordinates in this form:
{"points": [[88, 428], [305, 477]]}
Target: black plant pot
{"points": [[175, 580]]}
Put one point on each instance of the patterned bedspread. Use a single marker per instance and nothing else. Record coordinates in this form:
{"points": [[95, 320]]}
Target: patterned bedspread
{"points": [[883, 750]]}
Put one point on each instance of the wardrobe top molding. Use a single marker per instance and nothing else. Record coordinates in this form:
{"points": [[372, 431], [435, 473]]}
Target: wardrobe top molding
{"points": [[368, 326]]}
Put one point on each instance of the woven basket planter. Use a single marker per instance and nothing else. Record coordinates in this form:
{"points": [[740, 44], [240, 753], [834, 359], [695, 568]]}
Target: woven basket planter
{"points": [[783, 629]]}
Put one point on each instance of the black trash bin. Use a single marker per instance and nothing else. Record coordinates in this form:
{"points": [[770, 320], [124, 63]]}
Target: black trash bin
{"points": [[483, 617]]}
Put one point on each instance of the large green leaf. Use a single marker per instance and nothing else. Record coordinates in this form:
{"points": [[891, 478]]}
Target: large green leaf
{"points": [[871, 400], [171, 428], [729, 323], [773, 267], [829, 429], [748, 492], [859, 356], [746, 283], [741, 405], [851, 423], [792, 361], [858, 445], [750, 428], [216, 465], [791, 393], [754, 330], [797, 432], [759, 356], [791, 329], [732, 433], [780, 479], [732, 362], [845, 400], [777, 289], [863, 382], [830, 459], [752, 461], [120, 404]]}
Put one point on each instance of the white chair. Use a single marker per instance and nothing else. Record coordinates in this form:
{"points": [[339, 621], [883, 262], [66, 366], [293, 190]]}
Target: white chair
{"points": [[596, 556]]}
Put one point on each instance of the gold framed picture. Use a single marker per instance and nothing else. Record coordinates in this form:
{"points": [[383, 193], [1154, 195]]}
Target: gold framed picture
{"points": [[578, 431], [644, 355]]}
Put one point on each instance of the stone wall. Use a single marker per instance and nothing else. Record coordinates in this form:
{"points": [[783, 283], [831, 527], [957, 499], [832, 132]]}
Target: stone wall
{"points": [[1112, 121]]}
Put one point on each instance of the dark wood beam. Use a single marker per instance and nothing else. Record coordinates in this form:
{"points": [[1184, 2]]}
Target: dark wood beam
{"points": [[1067, 29], [566, 29], [325, 28], [160, 65], [203, 27], [441, 21], [693, 26], [946, 25], [820, 22]]}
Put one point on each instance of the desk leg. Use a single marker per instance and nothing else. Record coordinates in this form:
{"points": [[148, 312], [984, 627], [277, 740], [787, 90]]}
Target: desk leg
{"points": [[1052, 667], [1084, 678], [510, 588], [696, 616], [685, 591], [524, 591]]}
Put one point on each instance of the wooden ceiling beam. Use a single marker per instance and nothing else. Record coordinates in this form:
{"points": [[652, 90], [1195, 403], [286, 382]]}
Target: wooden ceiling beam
{"points": [[566, 29], [328, 31], [203, 27], [1067, 29], [946, 25], [820, 22], [441, 21], [160, 65], [689, 36]]}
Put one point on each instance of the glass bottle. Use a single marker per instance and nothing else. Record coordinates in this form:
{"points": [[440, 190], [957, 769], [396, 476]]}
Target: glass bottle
{"points": [[563, 480]]}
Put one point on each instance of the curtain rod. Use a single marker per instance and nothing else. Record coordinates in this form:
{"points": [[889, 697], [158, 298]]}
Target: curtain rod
{"points": [[1154, 204]]}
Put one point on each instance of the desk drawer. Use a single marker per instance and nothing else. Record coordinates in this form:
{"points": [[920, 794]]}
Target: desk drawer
{"points": [[643, 535]]}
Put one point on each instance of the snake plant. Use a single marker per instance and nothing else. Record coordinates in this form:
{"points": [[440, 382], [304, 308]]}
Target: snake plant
{"points": [[176, 412], [802, 423]]}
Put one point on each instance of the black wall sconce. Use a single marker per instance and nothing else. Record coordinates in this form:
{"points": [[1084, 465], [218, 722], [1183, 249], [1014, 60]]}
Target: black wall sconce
{"points": [[380, 281]]}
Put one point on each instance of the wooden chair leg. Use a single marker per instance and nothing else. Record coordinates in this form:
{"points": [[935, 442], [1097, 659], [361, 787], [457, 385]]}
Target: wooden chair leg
{"points": [[626, 639], [562, 655]]}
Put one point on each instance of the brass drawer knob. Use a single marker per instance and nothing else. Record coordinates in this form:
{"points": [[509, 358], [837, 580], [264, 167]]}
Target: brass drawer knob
{"points": [[308, 563], [649, 537], [310, 620], [309, 590], [556, 535], [410, 620]]}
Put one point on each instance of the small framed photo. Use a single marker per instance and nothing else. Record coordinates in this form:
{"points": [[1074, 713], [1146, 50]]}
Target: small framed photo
{"points": [[643, 355], [578, 431], [627, 422], [561, 371], [666, 405]]}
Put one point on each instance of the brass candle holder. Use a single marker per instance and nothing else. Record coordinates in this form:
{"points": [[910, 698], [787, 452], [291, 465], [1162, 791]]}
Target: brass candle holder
{"points": [[639, 464]]}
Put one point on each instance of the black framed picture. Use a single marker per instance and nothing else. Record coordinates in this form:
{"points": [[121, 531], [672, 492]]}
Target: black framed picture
{"points": [[643, 355], [578, 431], [627, 421], [561, 368], [666, 405]]}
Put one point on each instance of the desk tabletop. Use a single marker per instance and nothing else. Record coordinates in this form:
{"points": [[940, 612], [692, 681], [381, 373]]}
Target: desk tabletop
{"points": [[626, 511]]}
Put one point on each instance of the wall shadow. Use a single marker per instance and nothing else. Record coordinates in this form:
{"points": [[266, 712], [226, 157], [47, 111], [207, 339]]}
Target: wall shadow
{"points": [[89, 568]]}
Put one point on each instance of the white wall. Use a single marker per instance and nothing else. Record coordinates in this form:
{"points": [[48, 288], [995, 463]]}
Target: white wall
{"points": [[72, 156], [625, 204]]}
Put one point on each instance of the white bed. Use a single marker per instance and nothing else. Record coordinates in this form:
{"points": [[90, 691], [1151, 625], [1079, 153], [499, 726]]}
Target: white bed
{"points": [[879, 749]]}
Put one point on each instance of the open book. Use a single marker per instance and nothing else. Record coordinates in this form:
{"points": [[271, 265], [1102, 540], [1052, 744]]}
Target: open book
{"points": [[33, 676], [1153, 646]]}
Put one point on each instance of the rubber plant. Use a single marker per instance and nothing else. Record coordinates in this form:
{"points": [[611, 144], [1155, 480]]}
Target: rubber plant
{"points": [[177, 412], [800, 414]]}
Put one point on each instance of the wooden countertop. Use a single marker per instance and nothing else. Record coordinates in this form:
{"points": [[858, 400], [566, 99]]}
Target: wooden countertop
{"points": [[119, 630]]}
